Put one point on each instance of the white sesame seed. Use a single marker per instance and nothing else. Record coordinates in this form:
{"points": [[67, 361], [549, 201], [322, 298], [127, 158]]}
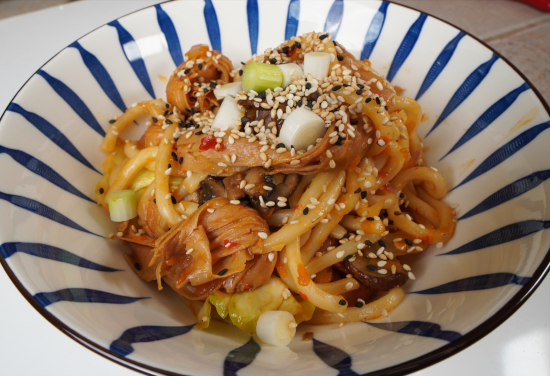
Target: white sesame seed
{"points": [[293, 222], [340, 254], [189, 251], [382, 271], [411, 276], [168, 171], [262, 235], [439, 245], [381, 263], [406, 267], [235, 202], [271, 256], [349, 286], [331, 201]]}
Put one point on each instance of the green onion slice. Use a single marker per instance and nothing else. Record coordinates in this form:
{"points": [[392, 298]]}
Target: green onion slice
{"points": [[122, 205], [260, 77]]}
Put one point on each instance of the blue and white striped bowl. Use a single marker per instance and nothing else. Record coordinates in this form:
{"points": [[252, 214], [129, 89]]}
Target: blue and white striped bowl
{"points": [[486, 129]]}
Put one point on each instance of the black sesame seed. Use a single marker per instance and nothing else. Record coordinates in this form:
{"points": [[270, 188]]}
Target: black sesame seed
{"points": [[245, 119], [273, 60], [370, 219], [165, 113], [243, 63], [198, 133], [155, 200], [360, 86], [354, 122], [200, 66], [298, 44], [382, 243], [368, 242], [346, 85], [377, 100], [357, 190], [342, 302], [176, 139], [175, 156], [368, 100], [386, 108], [280, 145], [340, 57], [186, 71], [222, 272], [337, 87], [299, 103], [101, 190], [359, 92], [310, 104], [173, 200], [335, 43], [340, 141], [181, 160], [348, 257], [168, 121], [112, 121], [285, 49], [169, 165], [213, 84], [261, 95], [240, 72], [346, 236], [408, 241], [364, 194], [137, 266], [306, 211], [358, 305], [308, 85], [205, 90], [323, 36], [371, 267], [401, 195]]}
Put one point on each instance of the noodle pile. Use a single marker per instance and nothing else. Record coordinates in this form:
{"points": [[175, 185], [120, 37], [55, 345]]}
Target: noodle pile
{"points": [[226, 210]]}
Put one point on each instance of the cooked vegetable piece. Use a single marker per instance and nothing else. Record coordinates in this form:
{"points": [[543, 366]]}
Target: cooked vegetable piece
{"points": [[276, 327], [122, 205], [316, 64], [228, 113], [260, 77], [231, 88], [301, 128], [289, 70], [143, 179]]}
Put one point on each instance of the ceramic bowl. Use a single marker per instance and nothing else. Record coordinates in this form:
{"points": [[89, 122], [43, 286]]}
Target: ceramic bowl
{"points": [[485, 128]]}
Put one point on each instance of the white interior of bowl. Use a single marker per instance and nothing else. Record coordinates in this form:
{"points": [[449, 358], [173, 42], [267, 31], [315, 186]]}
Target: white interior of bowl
{"points": [[438, 318]]}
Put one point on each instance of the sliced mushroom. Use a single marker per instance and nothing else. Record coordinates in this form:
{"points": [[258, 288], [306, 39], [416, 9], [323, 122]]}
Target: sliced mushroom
{"points": [[211, 188], [367, 271], [286, 188], [363, 293], [232, 186]]}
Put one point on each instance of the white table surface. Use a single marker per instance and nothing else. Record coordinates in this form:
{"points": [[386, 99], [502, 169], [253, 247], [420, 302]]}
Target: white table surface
{"points": [[30, 345]]}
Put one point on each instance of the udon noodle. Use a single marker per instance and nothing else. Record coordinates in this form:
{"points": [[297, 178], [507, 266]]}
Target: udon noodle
{"points": [[231, 217]]}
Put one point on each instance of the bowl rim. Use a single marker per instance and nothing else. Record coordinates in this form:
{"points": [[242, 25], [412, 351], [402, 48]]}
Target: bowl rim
{"points": [[407, 367]]}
